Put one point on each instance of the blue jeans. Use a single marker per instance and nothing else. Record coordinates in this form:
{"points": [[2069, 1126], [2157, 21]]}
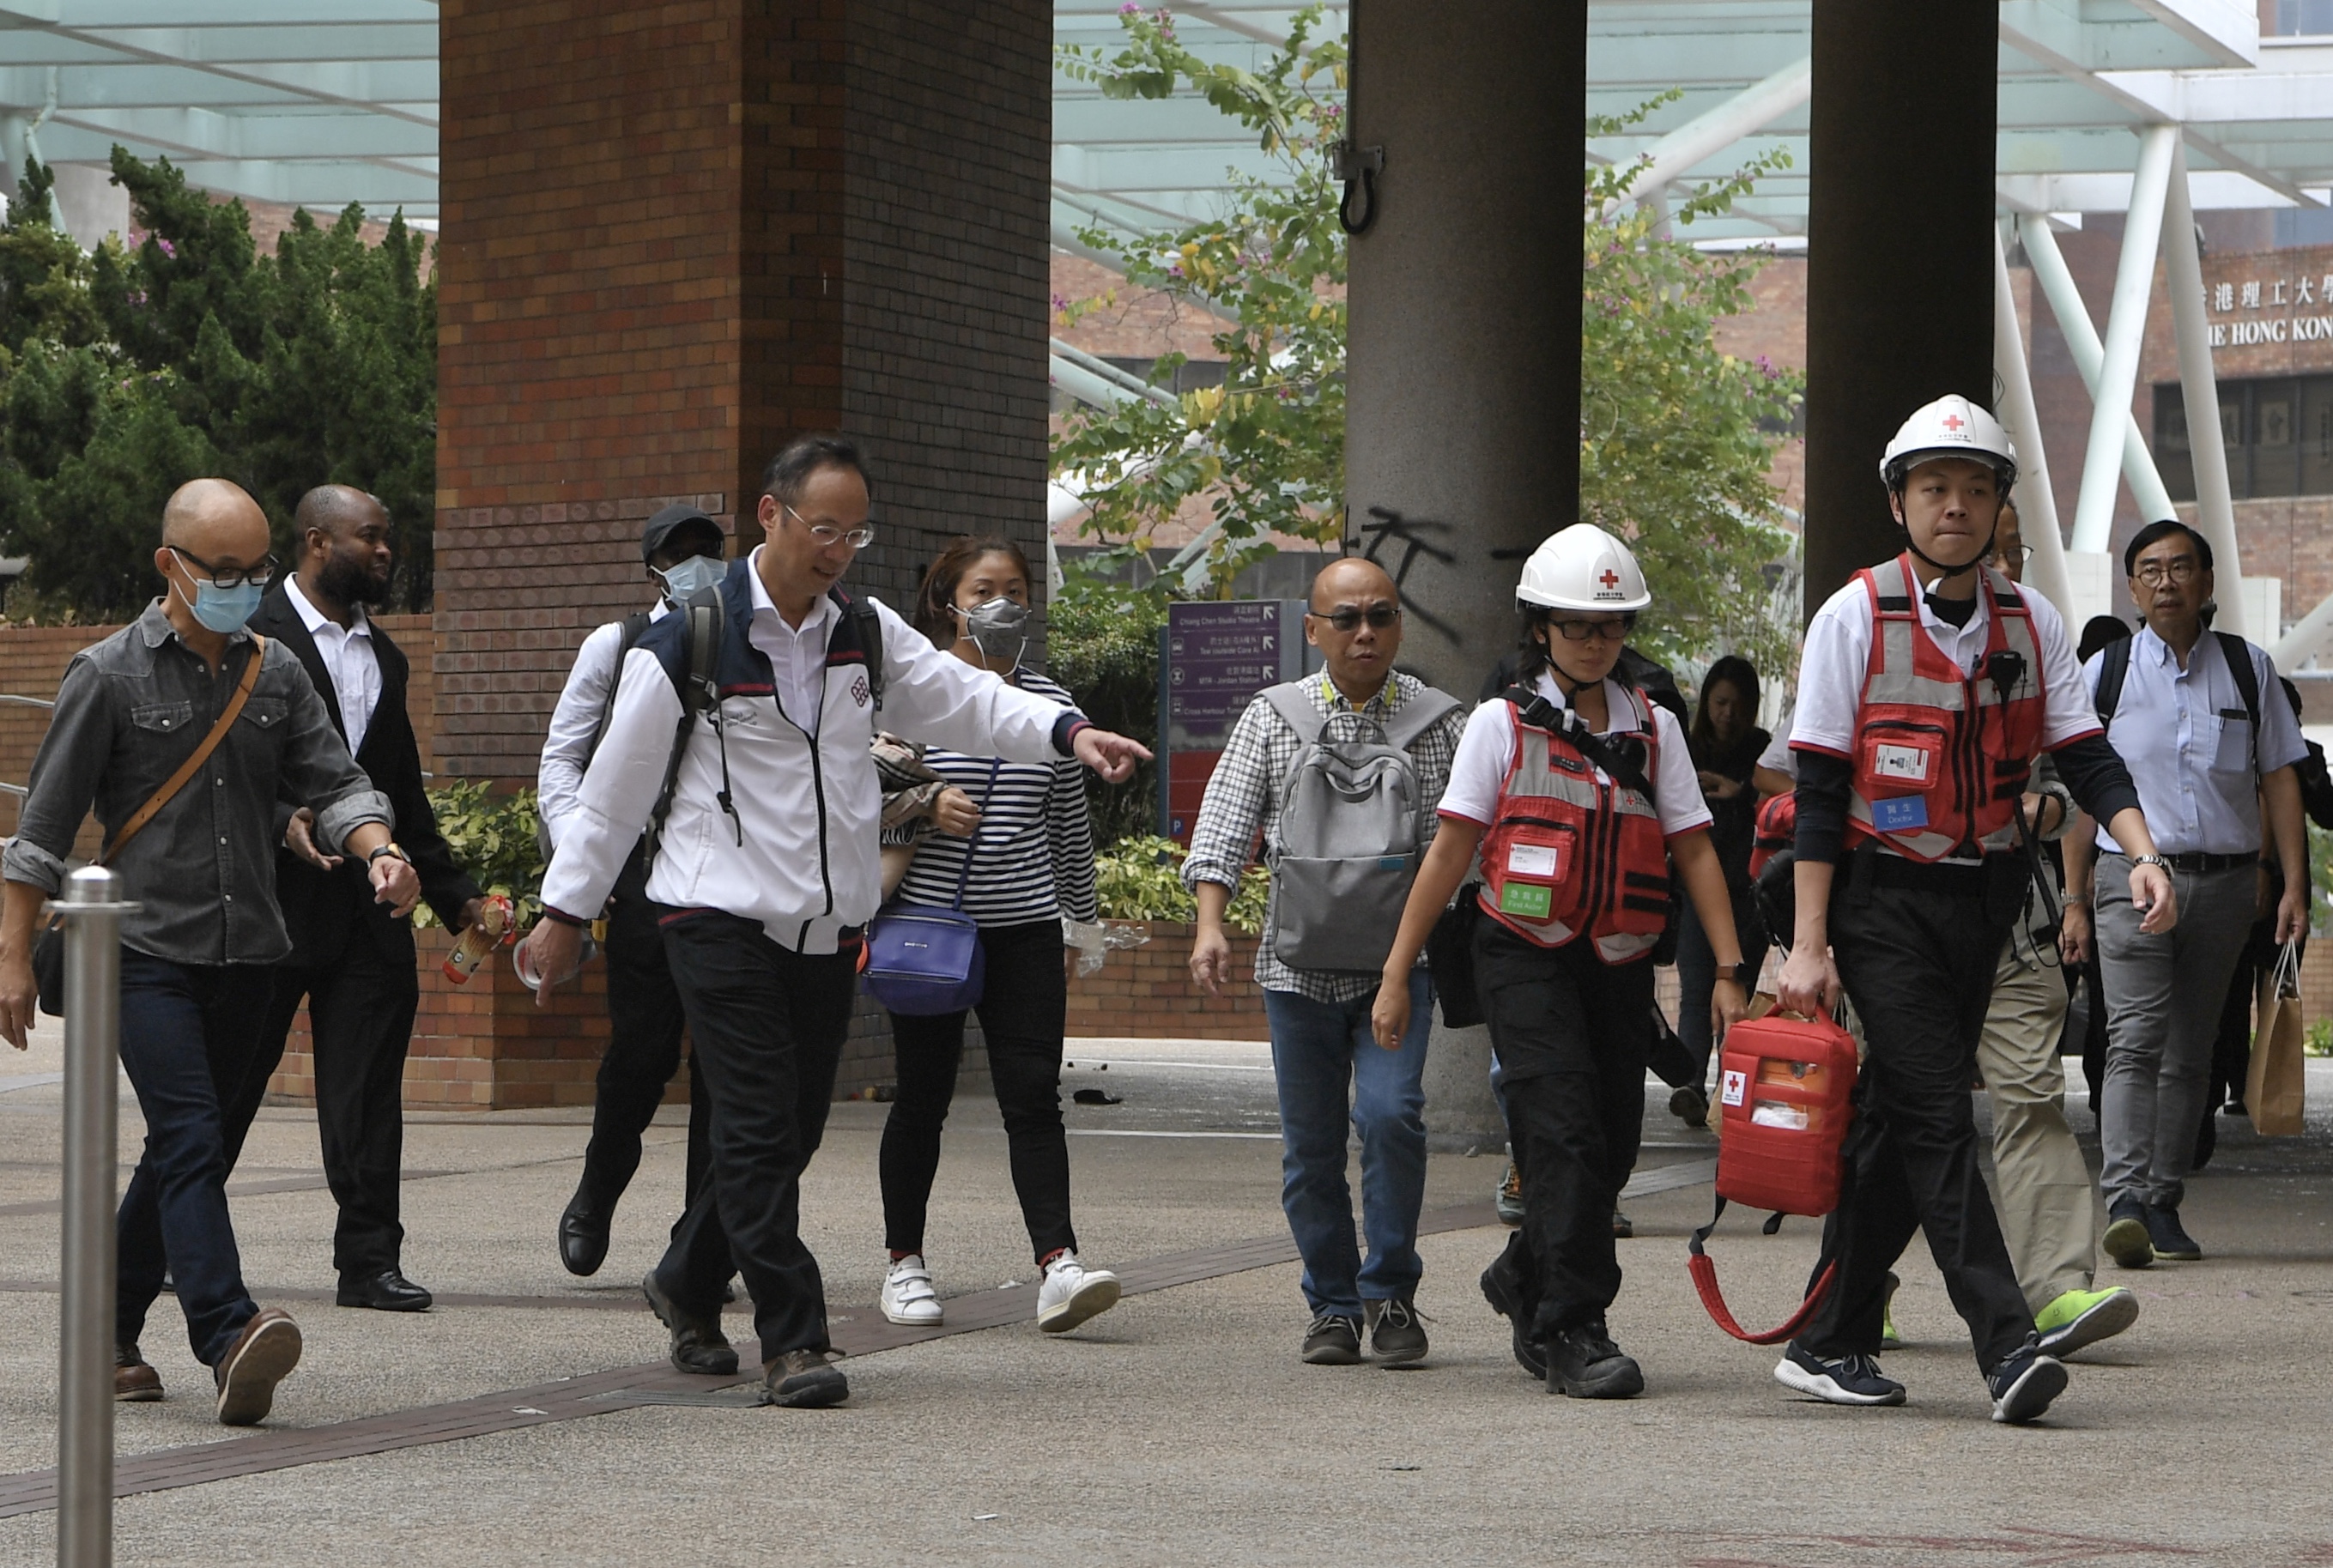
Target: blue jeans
{"points": [[1321, 1053], [190, 1034]]}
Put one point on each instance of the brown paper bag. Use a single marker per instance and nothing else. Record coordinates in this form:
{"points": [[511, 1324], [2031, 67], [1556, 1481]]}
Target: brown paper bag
{"points": [[2274, 1085]]}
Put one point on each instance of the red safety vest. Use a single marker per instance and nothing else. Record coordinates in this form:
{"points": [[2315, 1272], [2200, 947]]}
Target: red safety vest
{"points": [[1571, 851], [1942, 756]]}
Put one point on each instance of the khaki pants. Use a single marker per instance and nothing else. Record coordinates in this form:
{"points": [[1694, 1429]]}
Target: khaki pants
{"points": [[2048, 1214]]}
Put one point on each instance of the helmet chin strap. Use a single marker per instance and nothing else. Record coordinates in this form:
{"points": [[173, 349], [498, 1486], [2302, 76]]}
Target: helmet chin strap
{"points": [[1952, 571]]}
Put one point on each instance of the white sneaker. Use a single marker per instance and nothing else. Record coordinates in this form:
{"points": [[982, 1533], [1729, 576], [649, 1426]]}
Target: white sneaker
{"points": [[1072, 1293], [908, 1298]]}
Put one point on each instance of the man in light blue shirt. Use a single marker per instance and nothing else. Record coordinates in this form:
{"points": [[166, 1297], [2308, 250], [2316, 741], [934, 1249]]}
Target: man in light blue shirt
{"points": [[2185, 712]]}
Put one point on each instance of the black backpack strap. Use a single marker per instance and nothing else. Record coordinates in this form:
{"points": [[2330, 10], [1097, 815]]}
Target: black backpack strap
{"points": [[698, 686], [2114, 664], [2239, 654], [1541, 715], [870, 642]]}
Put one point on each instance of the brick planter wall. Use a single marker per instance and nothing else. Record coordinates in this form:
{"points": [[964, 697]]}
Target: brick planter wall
{"points": [[1147, 992]]}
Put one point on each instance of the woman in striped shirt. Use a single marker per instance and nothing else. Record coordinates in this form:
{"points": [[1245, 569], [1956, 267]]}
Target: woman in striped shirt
{"points": [[1031, 863]]}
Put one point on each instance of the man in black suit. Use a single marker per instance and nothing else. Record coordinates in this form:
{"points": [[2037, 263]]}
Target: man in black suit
{"points": [[352, 961]]}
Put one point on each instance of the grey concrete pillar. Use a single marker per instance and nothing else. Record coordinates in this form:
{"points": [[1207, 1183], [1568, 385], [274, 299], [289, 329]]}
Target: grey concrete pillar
{"points": [[1900, 251], [1463, 424]]}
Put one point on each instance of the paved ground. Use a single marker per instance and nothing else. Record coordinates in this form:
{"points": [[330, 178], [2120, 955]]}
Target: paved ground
{"points": [[1180, 1429]]}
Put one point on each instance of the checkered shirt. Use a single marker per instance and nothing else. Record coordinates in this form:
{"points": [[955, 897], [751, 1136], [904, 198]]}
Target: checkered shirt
{"points": [[1244, 799]]}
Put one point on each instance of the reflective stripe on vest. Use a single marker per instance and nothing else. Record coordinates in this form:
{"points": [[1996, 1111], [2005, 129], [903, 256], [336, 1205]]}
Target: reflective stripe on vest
{"points": [[1940, 756], [1567, 854]]}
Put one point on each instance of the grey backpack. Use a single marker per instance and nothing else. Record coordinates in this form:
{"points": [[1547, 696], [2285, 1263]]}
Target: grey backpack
{"points": [[1347, 848]]}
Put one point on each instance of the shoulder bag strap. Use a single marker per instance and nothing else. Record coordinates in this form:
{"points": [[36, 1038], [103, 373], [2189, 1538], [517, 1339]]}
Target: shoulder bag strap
{"points": [[202, 753], [1541, 715], [2239, 654], [964, 873]]}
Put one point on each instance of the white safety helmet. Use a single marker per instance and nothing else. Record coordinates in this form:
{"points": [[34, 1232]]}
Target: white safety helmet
{"points": [[1951, 426], [1582, 567]]}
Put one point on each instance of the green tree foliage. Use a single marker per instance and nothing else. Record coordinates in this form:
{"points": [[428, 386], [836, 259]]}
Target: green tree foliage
{"points": [[1107, 655], [1677, 438], [1265, 451], [127, 373], [495, 839]]}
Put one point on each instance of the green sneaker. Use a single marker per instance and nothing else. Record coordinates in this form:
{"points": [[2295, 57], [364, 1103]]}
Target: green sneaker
{"points": [[2083, 1317], [1889, 1338]]}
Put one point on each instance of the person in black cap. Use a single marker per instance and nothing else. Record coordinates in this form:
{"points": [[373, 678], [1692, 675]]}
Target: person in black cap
{"points": [[682, 548]]}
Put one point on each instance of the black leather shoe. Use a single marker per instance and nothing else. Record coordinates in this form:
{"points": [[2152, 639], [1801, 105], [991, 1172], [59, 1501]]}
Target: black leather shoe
{"points": [[1499, 1290], [583, 1235], [388, 1291], [698, 1345]]}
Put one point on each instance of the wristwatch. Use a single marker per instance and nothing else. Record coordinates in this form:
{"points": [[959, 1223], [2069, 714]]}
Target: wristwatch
{"points": [[1740, 974], [391, 848], [2157, 861]]}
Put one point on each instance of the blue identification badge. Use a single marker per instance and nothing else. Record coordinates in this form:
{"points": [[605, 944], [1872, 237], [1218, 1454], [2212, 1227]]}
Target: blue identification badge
{"points": [[1899, 814]]}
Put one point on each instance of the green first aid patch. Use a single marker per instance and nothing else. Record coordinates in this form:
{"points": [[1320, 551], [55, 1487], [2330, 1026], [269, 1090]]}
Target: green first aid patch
{"points": [[1523, 899]]}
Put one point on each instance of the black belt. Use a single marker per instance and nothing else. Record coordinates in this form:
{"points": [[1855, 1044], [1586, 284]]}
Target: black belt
{"points": [[2198, 861], [1960, 880]]}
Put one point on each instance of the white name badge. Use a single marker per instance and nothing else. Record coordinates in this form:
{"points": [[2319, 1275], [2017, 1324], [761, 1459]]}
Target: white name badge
{"points": [[1908, 762], [1530, 860]]}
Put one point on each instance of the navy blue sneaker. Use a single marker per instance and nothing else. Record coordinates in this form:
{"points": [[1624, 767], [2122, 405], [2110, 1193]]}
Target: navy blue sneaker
{"points": [[2127, 1239], [1851, 1380], [2169, 1238], [2023, 1385]]}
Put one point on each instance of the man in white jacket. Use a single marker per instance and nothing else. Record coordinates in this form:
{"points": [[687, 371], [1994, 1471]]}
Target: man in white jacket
{"points": [[764, 871]]}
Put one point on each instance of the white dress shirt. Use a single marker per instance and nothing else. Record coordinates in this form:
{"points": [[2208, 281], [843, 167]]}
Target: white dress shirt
{"points": [[348, 660], [575, 724], [2186, 739]]}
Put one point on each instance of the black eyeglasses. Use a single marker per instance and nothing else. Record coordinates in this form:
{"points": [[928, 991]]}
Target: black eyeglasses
{"points": [[1347, 618], [2182, 569], [1610, 631], [231, 577]]}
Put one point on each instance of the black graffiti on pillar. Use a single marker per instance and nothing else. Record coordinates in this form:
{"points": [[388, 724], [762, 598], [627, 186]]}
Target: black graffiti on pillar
{"points": [[1410, 532]]}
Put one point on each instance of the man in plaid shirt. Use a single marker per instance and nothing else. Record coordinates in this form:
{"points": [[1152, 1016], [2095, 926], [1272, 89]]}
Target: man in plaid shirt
{"points": [[1321, 1051]]}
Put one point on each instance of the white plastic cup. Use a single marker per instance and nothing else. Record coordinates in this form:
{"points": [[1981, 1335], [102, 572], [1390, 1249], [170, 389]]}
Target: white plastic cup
{"points": [[522, 964]]}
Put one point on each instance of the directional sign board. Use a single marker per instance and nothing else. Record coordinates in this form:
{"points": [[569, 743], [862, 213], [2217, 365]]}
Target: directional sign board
{"points": [[1214, 658]]}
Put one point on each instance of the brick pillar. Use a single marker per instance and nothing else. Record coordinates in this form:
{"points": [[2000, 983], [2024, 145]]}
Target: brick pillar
{"points": [[673, 236]]}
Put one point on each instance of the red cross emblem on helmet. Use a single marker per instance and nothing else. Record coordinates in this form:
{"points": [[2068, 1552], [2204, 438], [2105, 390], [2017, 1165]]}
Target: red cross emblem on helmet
{"points": [[1954, 423], [1610, 580]]}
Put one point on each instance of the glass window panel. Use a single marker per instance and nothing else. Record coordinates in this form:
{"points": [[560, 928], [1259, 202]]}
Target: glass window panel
{"points": [[2276, 419], [2317, 435], [2232, 438], [2171, 452]]}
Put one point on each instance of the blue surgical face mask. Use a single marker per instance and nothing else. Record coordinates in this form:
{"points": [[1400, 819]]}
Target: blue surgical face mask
{"points": [[225, 610], [698, 571]]}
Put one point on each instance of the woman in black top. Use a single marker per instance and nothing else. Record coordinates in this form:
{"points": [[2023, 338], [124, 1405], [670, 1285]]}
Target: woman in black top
{"points": [[1726, 744]]}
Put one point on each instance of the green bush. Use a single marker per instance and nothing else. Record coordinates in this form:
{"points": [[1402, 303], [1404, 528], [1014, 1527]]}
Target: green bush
{"points": [[2319, 1041], [1139, 879], [1104, 647], [492, 838]]}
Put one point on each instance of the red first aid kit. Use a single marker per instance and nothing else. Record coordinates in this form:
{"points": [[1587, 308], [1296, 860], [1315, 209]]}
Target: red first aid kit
{"points": [[1785, 1094]]}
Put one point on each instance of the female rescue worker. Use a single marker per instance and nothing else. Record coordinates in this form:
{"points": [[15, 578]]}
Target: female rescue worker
{"points": [[1575, 789], [1927, 686]]}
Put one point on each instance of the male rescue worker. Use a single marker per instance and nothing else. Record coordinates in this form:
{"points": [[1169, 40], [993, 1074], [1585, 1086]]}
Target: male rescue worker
{"points": [[1927, 686], [681, 547], [765, 871]]}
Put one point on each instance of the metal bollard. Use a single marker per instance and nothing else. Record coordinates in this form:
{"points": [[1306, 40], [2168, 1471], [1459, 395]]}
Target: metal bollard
{"points": [[92, 909]]}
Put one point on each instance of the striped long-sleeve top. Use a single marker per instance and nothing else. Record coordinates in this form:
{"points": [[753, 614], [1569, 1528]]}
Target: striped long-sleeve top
{"points": [[1033, 855]]}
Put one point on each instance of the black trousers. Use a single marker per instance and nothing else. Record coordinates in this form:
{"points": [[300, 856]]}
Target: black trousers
{"points": [[645, 1026], [1023, 1008], [1571, 1033], [361, 1011], [1918, 965], [768, 1027]]}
